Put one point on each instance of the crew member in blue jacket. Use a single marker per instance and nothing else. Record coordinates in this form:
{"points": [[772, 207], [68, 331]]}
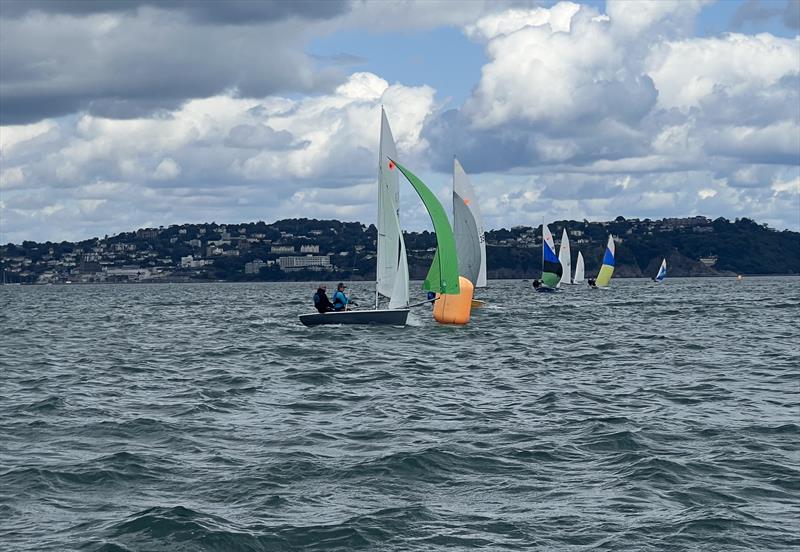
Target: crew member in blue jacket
{"points": [[340, 300]]}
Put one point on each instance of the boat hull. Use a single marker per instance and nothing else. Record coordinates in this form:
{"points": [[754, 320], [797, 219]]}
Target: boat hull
{"points": [[544, 289], [380, 317]]}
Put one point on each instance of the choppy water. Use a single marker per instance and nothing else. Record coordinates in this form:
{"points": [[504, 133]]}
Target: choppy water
{"points": [[205, 417]]}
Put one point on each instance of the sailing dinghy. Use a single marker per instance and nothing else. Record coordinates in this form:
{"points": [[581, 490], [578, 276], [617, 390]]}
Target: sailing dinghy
{"points": [[468, 230], [453, 292], [565, 258], [578, 279], [551, 266], [604, 276], [662, 271], [392, 265]]}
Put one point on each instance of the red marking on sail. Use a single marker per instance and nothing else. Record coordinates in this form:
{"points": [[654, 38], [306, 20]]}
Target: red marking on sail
{"points": [[466, 202], [391, 164]]}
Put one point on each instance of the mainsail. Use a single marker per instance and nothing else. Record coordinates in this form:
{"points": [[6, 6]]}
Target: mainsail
{"points": [[468, 228], [578, 269], [392, 269], [604, 276], [443, 275], [551, 267], [565, 258], [662, 271]]}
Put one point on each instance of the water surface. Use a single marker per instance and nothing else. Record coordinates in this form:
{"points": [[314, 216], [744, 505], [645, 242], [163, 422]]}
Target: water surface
{"points": [[205, 417]]}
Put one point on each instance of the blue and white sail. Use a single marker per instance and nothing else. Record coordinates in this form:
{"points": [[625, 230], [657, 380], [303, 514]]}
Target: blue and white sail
{"points": [[662, 271]]}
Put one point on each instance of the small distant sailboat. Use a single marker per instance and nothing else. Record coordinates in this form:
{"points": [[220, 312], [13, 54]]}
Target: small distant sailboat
{"points": [[565, 258], [578, 279], [468, 230], [551, 266], [392, 264], [604, 276], [662, 271]]}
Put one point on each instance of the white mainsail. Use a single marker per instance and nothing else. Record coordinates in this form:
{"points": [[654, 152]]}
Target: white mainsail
{"points": [[468, 228], [565, 258], [578, 269], [392, 269]]}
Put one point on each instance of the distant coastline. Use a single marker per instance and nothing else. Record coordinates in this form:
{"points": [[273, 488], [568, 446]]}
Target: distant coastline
{"points": [[302, 250]]}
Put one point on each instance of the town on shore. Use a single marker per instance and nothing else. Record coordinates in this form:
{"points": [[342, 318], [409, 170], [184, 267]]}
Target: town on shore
{"points": [[310, 249]]}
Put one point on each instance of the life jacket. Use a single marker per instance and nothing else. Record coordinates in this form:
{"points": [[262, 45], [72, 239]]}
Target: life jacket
{"points": [[339, 300]]}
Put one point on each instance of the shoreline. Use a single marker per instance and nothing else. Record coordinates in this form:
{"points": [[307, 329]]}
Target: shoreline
{"points": [[193, 282]]}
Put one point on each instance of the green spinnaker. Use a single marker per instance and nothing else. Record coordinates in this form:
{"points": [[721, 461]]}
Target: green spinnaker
{"points": [[443, 275]]}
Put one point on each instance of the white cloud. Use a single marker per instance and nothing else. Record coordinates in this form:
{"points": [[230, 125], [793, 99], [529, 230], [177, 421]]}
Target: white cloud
{"points": [[187, 166], [634, 17], [576, 114], [12, 177], [168, 169], [687, 71]]}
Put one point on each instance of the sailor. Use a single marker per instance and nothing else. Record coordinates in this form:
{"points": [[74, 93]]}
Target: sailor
{"points": [[321, 301], [340, 300], [536, 284], [591, 283]]}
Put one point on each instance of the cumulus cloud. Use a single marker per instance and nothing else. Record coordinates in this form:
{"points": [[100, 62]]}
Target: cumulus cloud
{"points": [[576, 113], [687, 71], [211, 157], [569, 92], [131, 63]]}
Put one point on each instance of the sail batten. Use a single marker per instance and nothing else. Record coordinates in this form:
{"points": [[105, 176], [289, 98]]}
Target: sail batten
{"points": [[468, 228]]}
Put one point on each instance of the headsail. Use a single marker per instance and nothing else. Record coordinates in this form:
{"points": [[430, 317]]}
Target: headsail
{"points": [[662, 271], [468, 228], [578, 269], [443, 274], [565, 258], [604, 276], [551, 267], [392, 268]]}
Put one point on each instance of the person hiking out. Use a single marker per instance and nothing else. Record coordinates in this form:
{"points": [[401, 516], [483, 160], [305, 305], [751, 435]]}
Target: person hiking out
{"points": [[321, 301], [340, 300]]}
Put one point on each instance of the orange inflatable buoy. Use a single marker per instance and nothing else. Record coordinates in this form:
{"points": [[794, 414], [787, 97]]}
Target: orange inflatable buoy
{"points": [[454, 309]]}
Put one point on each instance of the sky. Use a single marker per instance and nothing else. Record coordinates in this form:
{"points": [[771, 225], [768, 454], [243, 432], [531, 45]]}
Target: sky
{"points": [[122, 115]]}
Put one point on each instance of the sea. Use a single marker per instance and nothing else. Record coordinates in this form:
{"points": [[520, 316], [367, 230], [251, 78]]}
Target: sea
{"points": [[205, 417]]}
